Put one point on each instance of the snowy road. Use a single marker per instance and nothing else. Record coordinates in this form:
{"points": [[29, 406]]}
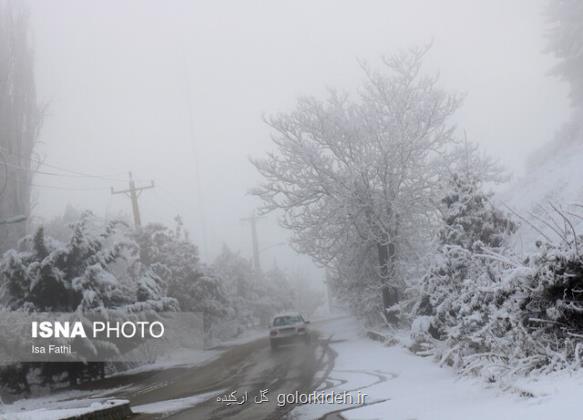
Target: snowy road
{"points": [[398, 385], [191, 393]]}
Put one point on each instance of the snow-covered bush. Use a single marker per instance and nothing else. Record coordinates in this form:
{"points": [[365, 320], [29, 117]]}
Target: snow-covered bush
{"points": [[92, 272], [169, 251], [549, 301], [456, 290], [487, 312], [472, 228], [46, 275], [529, 320]]}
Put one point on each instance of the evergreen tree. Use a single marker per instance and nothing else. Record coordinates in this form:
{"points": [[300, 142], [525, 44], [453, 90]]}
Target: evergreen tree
{"points": [[169, 261], [472, 228]]}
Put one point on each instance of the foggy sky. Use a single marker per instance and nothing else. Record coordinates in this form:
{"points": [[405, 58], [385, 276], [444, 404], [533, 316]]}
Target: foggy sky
{"points": [[115, 75]]}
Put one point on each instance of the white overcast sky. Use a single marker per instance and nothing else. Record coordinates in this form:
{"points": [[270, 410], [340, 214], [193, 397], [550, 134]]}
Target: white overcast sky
{"points": [[115, 75]]}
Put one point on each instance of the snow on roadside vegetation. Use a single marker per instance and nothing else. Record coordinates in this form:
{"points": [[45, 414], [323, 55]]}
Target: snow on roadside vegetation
{"points": [[417, 388]]}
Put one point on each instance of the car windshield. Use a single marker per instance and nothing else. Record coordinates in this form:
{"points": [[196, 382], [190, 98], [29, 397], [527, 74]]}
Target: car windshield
{"points": [[286, 320]]}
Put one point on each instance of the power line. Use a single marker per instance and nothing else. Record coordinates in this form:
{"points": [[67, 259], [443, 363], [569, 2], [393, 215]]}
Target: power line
{"points": [[58, 187], [37, 171], [55, 187], [70, 172]]}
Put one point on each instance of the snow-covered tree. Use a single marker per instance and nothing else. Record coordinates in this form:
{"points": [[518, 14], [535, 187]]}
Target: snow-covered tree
{"points": [[59, 227], [361, 168], [20, 118], [90, 273], [451, 306], [50, 276], [254, 298], [354, 282], [170, 251], [238, 279], [566, 43]]}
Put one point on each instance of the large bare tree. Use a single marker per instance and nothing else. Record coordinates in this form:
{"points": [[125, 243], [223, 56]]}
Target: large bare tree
{"points": [[355, 173]]}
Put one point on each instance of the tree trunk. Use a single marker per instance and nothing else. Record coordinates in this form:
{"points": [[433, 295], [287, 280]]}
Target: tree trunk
{"points": [[20, 118], [390, 293]]}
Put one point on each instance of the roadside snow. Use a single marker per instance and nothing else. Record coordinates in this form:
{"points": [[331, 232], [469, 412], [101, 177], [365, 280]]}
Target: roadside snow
{"points": [[62, 410], [36, 407], [26, 405], [417, 388], [172, 406]]}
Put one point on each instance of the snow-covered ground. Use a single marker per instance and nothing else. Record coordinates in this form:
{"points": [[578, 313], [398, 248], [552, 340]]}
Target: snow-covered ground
{"points": [[72, 402], [555, 179], [398, 386], [413, 387], [55, 402], [55, 410], [69, 403]]}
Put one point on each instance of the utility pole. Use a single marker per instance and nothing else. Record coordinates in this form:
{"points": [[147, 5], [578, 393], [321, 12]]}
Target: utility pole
{"points": [[253, 223], [134, 193]]}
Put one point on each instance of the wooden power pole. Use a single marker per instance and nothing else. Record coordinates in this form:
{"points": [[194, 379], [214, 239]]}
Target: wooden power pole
{"points": [[133, 193], [253, 222]]}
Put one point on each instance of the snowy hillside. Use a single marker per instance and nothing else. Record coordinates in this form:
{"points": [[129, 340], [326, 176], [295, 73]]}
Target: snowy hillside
{"points": [[555, 175]]}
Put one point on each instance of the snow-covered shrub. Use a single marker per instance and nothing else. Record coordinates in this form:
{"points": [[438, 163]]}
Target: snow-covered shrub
{"points": [[486, 312], [92, 272], [473, 232], [169, 261], [46, 275], [550, 301], [530, 320], [472, 228], [153, 289]]}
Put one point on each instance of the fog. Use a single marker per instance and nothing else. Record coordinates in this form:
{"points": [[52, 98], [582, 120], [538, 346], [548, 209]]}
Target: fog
{"points": [[161, 87]]}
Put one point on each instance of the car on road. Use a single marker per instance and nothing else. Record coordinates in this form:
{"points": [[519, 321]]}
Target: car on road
{"points": [[287, 328]]}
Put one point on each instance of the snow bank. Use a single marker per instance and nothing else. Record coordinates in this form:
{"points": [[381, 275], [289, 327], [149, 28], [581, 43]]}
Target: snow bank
{"points": [[413, 387], [66, 409]]}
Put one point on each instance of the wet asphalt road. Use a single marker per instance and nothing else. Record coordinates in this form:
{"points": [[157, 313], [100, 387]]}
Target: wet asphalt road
{"points": [[246, 369]]}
